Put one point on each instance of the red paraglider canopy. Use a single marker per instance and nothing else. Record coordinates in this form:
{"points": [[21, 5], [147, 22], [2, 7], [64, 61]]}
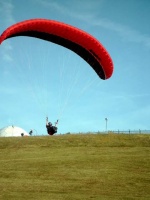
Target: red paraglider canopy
{"points": [[82, 43]]}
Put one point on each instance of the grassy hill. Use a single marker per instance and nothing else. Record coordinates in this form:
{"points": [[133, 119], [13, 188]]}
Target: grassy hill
{"points": [[81, 166]]}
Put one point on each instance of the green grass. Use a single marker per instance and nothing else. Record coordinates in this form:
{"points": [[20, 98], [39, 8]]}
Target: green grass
{"points": [[81, 166]]}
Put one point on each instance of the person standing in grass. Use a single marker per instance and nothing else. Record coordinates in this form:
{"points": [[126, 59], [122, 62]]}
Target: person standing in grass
{"points": [[51, 130]]}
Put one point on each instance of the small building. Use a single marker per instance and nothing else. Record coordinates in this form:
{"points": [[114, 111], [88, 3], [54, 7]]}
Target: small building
{"points": [[13, 131]]}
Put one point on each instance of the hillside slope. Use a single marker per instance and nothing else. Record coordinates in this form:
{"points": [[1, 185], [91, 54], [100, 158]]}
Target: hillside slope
{"points": [[81, 166]]}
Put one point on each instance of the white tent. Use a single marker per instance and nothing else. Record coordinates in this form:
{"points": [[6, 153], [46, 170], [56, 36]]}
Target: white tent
{"points": [[13, 131]]}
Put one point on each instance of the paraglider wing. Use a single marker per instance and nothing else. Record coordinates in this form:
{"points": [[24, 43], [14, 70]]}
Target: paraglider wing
{"points": [[82, 43]]}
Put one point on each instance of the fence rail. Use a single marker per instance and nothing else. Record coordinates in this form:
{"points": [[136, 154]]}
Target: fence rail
{"points": [[129, 131]]}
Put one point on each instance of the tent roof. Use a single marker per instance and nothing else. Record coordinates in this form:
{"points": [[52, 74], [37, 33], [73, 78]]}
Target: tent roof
{"points": [[12, 131]]}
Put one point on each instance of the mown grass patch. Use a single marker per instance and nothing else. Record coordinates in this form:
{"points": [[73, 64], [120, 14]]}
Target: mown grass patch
{"points": [[75, 166]]}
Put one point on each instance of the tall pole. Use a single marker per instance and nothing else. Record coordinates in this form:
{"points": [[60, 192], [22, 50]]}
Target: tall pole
{"points": [[106, 123]]}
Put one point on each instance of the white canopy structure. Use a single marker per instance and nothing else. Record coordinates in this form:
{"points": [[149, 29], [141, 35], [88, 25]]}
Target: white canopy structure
{"points": [[13, 131]]}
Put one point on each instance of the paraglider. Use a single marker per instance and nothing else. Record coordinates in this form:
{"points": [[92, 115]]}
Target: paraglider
{"points": [[13, 131], [51, 130], [68, 36], [30, 132], [77, 40]]}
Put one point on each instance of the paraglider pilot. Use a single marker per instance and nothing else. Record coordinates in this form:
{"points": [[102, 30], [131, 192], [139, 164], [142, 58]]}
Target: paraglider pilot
{"points": [[51, 130], [31, 131]]}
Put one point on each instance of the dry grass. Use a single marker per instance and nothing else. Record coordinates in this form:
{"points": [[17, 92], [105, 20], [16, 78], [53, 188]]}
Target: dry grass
{"points": [[91, 166]]}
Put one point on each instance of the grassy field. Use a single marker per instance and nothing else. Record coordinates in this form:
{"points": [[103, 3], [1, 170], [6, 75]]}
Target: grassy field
{"points": [[81, 166]]}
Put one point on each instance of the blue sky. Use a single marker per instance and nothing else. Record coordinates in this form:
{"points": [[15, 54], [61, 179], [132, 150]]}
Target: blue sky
{"points": [[40, 79]]}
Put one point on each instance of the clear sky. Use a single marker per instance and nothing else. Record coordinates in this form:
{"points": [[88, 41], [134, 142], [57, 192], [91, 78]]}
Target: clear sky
{"points": [[40, 79]]}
